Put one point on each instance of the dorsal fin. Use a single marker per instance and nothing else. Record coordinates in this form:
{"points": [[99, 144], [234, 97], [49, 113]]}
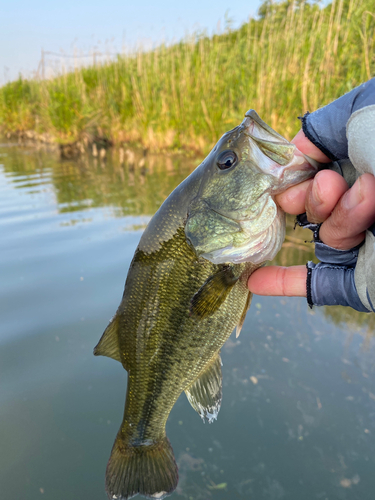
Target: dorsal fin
{"points": [[108, 344], [205, 392], [212, 293]]}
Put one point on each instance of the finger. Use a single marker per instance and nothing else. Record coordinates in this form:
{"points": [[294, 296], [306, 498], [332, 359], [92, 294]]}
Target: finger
{"points": [[323, 195], [275, 280], [292, 200], [353, 214], [308, 148]]}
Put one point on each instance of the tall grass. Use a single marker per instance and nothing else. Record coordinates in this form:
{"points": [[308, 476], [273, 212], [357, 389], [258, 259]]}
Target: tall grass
{"points": [[295, 57]]}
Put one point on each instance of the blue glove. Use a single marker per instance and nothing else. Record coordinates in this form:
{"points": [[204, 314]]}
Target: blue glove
{"points": [[326, 127], [331, 282]]}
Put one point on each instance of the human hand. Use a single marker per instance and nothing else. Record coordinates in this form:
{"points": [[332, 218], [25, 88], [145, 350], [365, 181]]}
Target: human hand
{"points": [[345, 215]]}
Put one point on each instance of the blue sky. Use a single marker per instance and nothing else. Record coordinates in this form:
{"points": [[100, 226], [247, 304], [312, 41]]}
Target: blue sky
{"points": [[82, 26]]}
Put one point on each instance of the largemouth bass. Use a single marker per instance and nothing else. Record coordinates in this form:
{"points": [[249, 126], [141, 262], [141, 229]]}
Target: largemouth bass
{"points": [[186, 291]]}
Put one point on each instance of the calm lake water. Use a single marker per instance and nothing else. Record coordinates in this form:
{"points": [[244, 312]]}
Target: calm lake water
{"points": [[297, 420]]}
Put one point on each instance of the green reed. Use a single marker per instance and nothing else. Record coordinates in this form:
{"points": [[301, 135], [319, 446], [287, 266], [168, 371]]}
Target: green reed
{"points": [[295, 57]]}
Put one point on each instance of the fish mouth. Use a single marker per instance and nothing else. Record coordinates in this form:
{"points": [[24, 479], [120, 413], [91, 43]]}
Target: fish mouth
{"points": [[276, 156]]}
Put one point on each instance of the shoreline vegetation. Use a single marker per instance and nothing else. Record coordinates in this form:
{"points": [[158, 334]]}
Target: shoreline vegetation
{"points": [[295, 57]]}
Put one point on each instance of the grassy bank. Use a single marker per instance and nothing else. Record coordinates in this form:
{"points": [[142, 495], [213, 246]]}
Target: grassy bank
{"points": [[295, 57]]}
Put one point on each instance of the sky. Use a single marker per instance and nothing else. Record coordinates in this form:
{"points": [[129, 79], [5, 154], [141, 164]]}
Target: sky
{"points": [[80, 27]]}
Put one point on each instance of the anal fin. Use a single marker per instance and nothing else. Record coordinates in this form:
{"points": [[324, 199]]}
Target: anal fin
{"points": [[108, 345], [205, 393]]}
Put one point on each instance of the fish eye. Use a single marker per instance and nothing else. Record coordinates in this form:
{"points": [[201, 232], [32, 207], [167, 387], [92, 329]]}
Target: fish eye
{"points": [[226, 159]]}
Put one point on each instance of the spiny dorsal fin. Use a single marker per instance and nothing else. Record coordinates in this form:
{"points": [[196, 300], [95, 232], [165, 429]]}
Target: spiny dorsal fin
{"points": [[205, 392], [212, 293], [243, 316], [108, 344]]}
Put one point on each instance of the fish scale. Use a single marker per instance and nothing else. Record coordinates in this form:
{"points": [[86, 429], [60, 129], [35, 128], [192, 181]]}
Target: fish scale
{"points": [[168, 333]]}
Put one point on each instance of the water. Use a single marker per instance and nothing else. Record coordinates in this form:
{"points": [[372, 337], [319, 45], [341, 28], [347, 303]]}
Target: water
{"points": [[298, 413]]}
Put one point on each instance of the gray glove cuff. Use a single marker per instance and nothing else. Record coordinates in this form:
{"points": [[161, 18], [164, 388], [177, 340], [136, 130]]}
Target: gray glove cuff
{"points": [[330, 285], [326, 127], [325, 253]]}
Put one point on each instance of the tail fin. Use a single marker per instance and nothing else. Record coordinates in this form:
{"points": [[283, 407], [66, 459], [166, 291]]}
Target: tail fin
{"points": [[149, 470]]}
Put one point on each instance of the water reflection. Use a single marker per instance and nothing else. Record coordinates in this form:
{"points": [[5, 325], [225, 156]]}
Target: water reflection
{"points": [[297, 420], [130, 188]]}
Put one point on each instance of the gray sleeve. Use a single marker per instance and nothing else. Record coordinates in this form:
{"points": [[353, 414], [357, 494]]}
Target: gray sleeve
{"points": [[365, 271], [346, 129], [361, 147], [326, 127]]}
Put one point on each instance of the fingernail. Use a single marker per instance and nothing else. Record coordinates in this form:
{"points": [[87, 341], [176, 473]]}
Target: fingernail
{"points": [[354, 196]]}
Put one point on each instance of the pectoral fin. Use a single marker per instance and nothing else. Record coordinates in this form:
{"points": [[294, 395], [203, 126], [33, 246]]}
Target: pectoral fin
{"points": [[213, 293], [108, 344], [205, 393]]}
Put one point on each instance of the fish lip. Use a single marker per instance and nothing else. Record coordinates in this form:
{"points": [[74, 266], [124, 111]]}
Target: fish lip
{"points": [[225, 216], [235, 220], [197, 198], [238, 221], [262, 199]]}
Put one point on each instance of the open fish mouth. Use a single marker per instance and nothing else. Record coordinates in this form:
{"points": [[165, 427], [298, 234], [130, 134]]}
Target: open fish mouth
{"points": [[274, 155]]}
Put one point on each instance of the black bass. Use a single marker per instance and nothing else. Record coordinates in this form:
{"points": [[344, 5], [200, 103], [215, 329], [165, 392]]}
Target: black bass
{"points": [[186, 291]]}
